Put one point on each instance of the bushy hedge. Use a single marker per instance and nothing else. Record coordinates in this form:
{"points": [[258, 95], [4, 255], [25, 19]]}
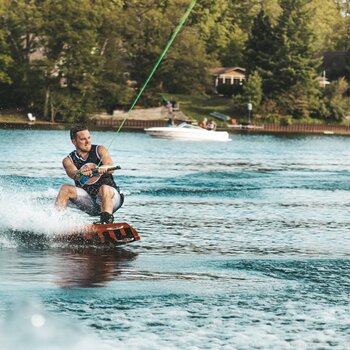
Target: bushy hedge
{"points": [[229, 90]]}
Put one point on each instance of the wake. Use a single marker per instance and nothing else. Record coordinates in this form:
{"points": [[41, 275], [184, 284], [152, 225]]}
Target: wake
{"points": [[34, 212]]}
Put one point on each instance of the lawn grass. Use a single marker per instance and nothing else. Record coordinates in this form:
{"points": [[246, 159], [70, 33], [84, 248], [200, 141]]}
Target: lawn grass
{"points": [[195, 107], [198, 107], [20, 118], [13, 118]]}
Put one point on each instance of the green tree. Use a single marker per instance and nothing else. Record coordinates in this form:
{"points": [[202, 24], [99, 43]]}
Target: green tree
{"points": [[5, 59], [147, 29], [296, 68], [232, 55], [224, 26], [252, 90], [186, 73], [149, 26], [261, 48], [344, 9], [66, 56], [70, 37], [113, 88], [215, 23], [326, 23], [347, 64], [337, 103], [5, 55], [20, 21]]}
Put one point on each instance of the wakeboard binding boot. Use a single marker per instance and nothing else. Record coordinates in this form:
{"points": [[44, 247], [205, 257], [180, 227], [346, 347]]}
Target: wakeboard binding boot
{"points": [[106, 218]]}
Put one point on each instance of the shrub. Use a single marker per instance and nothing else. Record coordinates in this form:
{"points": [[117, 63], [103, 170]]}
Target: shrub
{"points": [[229, 90]]}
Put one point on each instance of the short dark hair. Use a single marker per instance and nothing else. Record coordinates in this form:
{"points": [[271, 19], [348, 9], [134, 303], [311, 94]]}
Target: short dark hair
{"points": [[75, 129]]}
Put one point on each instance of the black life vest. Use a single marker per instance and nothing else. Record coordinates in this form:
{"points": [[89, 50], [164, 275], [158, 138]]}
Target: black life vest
{"points": [[93, 157]]}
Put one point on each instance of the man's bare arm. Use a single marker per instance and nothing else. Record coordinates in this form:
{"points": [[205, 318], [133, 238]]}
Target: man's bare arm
{"points": [[105, 156], [70, 168]]}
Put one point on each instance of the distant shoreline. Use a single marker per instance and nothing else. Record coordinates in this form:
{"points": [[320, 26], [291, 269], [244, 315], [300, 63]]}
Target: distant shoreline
{"points": [[33, 125], [140, 125]]}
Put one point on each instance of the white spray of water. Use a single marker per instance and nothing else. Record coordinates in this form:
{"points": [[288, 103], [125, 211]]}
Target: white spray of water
{"points": [[35, 212]]}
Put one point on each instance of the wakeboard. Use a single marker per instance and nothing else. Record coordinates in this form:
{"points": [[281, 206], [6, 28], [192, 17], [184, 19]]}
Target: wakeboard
{"points": [[106, 235]]}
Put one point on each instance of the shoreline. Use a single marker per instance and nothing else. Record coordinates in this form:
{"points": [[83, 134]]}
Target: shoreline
{"points": [[140, 125]]}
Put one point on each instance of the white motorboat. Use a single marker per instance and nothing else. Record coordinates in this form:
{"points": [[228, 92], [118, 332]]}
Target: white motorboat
{"points": [[189, 132]]}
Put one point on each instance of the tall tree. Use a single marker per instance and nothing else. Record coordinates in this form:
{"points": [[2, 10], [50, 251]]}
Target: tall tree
{"points": [[20, 21], [224, 26], [69, 36], [186, 73], [261, 49], [295, 62], [344, 10], [252, 90], [325, 23], [113, 88], [336, 101], [5, 55], [148, 27], [215, 24]]}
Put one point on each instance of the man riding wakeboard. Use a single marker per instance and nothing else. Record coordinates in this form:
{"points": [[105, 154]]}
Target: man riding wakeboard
{"points": [[95, 191]]}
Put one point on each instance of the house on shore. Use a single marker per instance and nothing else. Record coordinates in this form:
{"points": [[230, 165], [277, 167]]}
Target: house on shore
{"points": [[227, 75], [237, 76]]}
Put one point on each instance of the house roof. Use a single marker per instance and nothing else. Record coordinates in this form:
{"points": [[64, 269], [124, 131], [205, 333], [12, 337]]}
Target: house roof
{"points": [[226, 70]]}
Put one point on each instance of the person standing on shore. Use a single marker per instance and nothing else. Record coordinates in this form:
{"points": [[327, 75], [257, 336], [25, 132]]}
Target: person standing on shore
{"points": [[101, 197], [170, 114], [203, 123]]}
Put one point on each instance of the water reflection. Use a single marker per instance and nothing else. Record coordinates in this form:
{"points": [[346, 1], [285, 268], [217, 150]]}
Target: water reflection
{"points": [[69, 266], [90, 267]]}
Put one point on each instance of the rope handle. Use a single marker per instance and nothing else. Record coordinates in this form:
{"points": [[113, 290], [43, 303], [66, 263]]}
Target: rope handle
{"points": [[95, 171]]}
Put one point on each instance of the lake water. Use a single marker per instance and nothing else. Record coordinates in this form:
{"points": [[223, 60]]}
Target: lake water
{"points": [[244, 245]]}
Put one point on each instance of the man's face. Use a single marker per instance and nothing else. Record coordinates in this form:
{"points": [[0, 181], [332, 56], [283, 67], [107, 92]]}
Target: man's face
{"points": [[83, 141]]}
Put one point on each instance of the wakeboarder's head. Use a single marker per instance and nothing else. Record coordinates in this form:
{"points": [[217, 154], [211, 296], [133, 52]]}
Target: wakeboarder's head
{"points": [[81, 138]]}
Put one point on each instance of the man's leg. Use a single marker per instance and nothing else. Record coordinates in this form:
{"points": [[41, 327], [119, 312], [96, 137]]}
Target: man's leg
{"points": [[66, 193], [106, 194], [110, 200]]}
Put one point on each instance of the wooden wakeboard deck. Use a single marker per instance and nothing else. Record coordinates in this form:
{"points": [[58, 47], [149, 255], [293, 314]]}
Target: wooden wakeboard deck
{"points": [[108, 235]]}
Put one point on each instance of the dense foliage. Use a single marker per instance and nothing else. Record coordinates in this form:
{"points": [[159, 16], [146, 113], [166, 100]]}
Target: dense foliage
{"points": [[67, 59]]}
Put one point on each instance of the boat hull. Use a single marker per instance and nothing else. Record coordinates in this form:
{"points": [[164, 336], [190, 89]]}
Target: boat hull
{"points": [[189, 134]]}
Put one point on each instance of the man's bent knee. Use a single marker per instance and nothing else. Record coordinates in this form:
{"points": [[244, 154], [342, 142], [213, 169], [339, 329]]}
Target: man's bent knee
{"points": [[68, 191], [106, 190]]}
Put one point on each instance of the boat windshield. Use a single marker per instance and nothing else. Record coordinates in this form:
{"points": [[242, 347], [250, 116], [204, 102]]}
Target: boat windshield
{"points": [[188, 126]]}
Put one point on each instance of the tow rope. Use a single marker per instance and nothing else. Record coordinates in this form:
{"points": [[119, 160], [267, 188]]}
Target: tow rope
{"points": [[178, 28]]}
